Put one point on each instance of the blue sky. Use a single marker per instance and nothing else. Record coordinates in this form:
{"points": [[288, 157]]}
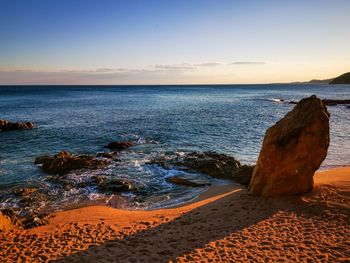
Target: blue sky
{"points": [[192, 41]]}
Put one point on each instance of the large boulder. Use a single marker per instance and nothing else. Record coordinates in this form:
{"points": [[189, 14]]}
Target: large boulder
{"points": [[9, 126], [293, 149], [64, 162]]}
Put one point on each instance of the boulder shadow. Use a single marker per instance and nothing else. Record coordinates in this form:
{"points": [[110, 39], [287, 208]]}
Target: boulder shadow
{"points": [[196, 228]]}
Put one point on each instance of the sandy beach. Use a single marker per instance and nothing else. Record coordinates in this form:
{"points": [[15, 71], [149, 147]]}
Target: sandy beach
{"points": [[226, 224], [174, 131]]}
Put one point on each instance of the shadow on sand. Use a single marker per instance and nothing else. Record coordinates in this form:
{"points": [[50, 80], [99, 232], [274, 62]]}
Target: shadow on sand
{"points": [[196, 228]]}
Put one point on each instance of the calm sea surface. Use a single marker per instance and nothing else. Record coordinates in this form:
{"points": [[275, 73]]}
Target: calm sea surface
{"points": [[161, 119]]}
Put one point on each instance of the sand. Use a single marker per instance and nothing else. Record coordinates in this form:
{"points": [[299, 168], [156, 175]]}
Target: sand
{"points": [[226, 224]]}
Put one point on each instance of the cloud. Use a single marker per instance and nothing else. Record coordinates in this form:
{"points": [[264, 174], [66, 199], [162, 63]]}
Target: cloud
{"points": [[193, 66], [182, 66], [152, 73], [68, 76], [102, 70], [187, 66], [85, 77], [247, 63], [210, 64]]}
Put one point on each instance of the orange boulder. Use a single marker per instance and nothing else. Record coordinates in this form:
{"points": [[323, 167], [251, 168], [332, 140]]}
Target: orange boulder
{"points": [[293, 149]]}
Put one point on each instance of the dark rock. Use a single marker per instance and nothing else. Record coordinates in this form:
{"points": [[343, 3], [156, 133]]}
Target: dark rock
{"points": [[109, 155], [293, 149], [24, 191], [98, 180], [118, 201], [68, 185], [117, 186], [182, 181], [64, 162], [243, 174], [34, 198], [119, 145], [348, 107], [35, 220], [43, 159], [331, 102], [109, 185], [9, 126], [213, 164]]}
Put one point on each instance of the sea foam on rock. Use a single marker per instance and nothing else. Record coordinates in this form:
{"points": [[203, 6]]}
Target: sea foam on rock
{"points": [[293, 149]]}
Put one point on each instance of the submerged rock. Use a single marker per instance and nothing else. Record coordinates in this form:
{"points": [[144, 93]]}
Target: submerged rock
{"points": [[213, 164], [24, 191], [333, 102], [116, 185], [98, 180], [182, 181], [34, 199], [293, 149], [119, 145], [329, 102], [64, 162], [9, 126], [109, 155]]}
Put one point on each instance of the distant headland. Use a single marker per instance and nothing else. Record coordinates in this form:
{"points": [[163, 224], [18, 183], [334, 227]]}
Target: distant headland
{"points": [[342, 79]]}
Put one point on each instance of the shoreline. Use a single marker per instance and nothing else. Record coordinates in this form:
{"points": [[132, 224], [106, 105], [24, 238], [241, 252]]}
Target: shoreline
{"points": [[223, 222]]}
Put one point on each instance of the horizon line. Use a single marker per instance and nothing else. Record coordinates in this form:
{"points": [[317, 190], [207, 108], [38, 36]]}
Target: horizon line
{"points": [[207, 84]]}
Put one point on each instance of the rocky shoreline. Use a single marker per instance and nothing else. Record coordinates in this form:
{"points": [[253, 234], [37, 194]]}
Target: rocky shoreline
{"points": [[289, 142], [58, 166], [241, 226]]}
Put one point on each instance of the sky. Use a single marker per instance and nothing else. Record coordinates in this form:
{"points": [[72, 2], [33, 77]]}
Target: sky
{"points": [[172, 41]]}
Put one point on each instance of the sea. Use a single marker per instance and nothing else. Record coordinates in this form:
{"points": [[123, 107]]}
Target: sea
{"points": [[160, 120]]}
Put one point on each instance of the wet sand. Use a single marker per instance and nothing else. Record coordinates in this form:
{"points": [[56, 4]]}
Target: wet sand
{"points": [[225, 224]]}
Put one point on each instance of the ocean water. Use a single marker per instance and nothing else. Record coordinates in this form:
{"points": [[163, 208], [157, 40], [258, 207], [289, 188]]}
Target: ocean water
{"points": [[229, 119]]}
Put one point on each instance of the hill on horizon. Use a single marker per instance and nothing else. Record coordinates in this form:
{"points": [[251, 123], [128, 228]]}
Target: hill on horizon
{"points": [[342, 79]]}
